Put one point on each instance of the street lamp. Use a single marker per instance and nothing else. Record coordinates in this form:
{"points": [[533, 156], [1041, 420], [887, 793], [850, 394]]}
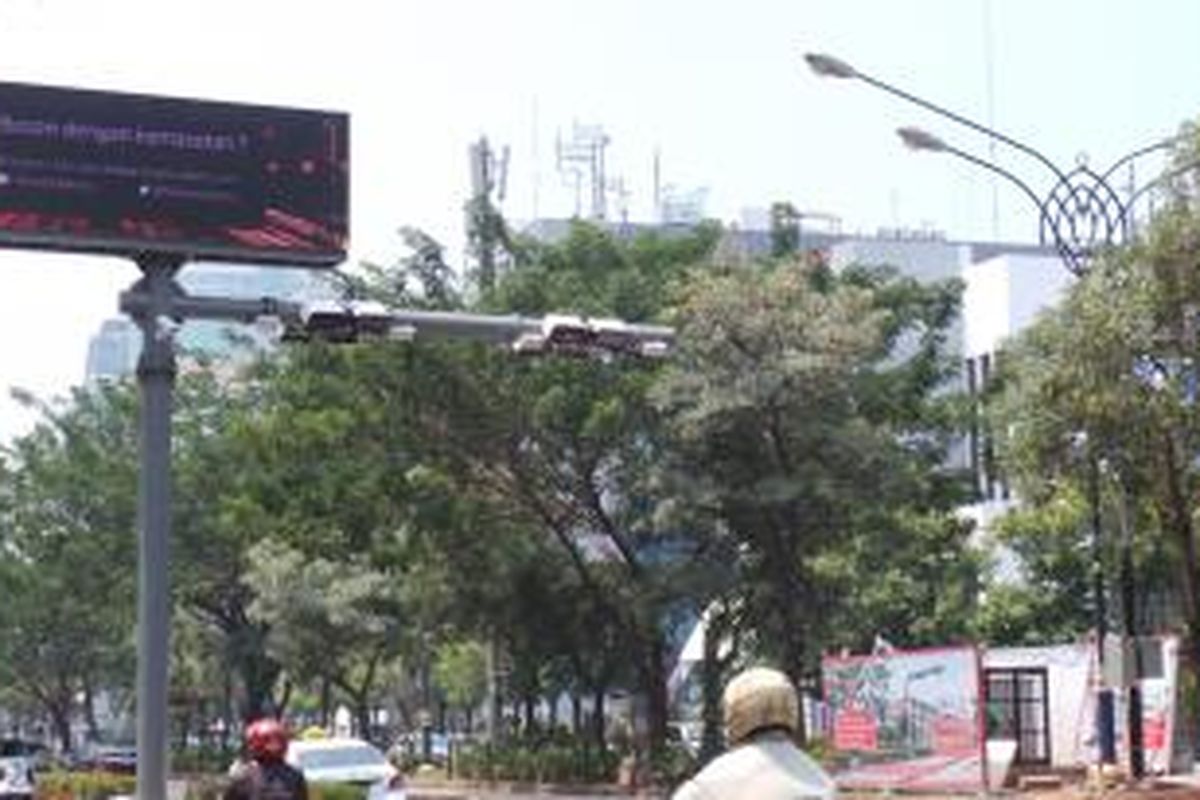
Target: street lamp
{"points": [[1105, 710], [1080, 214]]}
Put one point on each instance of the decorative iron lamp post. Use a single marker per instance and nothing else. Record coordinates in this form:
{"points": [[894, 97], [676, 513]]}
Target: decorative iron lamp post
{"points": [[1079, 215]]}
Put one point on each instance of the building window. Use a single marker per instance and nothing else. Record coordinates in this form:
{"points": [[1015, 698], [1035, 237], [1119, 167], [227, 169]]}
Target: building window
{"points": [[973, 431], [988, 467], [1018, 709]]}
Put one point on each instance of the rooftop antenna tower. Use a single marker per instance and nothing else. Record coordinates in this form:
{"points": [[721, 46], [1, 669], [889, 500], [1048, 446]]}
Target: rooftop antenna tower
{"points": [[582, 158], [658, 211], [489, 185], [618, 187]]}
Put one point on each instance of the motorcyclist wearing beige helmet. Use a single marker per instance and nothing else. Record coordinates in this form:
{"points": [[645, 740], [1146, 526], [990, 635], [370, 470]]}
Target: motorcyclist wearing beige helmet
{"points": [[763, 763]]}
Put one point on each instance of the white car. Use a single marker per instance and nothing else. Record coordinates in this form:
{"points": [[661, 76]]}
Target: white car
{"points": [[343, 760], [17, 762]]}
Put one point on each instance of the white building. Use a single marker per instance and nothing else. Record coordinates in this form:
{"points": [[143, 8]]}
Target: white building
{"points": [[1005, 287], [113, 352], [1004, 293]]}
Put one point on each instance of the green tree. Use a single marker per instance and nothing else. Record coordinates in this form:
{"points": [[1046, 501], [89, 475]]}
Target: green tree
{"points": [[218, 518], [804, 412], [561, 452], [1043, 590], [1111, 367], [460, 670], [67, 550], [335, 622]]}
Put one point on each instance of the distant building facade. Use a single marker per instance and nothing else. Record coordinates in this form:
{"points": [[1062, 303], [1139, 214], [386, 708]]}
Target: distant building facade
{"points": [[1005, 286], [113, 351]]}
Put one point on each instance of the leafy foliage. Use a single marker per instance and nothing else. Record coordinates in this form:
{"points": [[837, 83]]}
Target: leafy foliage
{"points": [[356, 522], [1101, 391], [804, 408], [67, 548]]}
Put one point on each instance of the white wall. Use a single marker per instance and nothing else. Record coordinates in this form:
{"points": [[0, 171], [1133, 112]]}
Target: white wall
{"points": [[1004, 294], [1068, 678]]}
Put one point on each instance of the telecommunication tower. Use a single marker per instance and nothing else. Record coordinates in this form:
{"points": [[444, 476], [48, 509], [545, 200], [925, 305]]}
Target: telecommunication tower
{"points": [[580, 161], [489, 181]]}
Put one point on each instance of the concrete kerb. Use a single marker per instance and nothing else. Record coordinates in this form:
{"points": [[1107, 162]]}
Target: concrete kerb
{"points": [[441, 789]]}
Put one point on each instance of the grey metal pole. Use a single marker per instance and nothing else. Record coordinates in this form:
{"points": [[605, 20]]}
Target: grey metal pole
{"points": [[157, 298], [1133, 708], [492, 716], [1105, 709], [156, 379]]}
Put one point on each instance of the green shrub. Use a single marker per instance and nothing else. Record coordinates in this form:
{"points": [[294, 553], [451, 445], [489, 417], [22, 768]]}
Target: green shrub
{"points": [[820, 749], [557, 764], [207, 788], [672, 766], [336, 791], [103, 785], [542, 762], [214, 789], [83, 785]]}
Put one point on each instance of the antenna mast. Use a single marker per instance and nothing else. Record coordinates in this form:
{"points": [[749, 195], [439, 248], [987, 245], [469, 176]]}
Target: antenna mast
{"points": [[489, 176], [583, 155]]}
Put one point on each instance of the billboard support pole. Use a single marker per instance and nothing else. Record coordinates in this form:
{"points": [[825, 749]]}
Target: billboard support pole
{"points": [[156, 380], [158, 305]]}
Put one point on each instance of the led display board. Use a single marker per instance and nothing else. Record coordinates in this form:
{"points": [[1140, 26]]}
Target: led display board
{"points": [[107, 172]]}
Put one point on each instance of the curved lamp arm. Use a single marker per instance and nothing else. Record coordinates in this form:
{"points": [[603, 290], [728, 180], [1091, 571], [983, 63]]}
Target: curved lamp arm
{"points": [[918, 139], [831, 67], [1163, 178], [1125, 159]]}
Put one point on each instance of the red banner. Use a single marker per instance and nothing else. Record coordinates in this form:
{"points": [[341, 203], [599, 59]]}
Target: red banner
{"points": [[955, 736], [907, 720], [855, 729]]}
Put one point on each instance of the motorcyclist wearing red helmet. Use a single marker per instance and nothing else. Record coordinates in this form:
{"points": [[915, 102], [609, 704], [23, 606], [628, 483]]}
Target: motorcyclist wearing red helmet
{"points": [[267, 776]]}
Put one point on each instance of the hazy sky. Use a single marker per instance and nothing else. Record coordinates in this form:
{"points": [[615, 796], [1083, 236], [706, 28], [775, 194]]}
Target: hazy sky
{"points": [[718, 86]]}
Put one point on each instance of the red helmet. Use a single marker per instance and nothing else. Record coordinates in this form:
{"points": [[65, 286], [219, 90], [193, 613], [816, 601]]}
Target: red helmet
{"points": [[266, 739]]}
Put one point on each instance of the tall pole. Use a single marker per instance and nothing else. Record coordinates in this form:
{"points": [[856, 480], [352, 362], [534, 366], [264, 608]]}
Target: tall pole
{"points": [[156, 303], [492, 716], [1105, 714], [156, 381], [1133, 727], [481, 217], [1080, 214]]}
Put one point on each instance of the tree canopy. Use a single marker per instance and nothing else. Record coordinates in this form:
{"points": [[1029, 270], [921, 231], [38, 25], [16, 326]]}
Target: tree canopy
{"points": [[368, 523]]}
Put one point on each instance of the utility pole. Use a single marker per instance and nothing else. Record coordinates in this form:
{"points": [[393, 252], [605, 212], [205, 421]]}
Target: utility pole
{"points": [[156, 381], [487, 176], [1105, 715], [1131, 652]]}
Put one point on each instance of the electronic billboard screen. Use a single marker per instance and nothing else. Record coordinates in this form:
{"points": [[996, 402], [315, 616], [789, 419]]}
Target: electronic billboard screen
{"points": [[132, 174]]}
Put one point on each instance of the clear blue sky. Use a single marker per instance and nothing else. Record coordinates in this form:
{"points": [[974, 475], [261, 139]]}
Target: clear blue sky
{"points": [[718, 86]]}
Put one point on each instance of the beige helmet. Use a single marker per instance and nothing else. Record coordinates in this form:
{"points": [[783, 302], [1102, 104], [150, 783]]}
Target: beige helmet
{"points": [[759, 698]]}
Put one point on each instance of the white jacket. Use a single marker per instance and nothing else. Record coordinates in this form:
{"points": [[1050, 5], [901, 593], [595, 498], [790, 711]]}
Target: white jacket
{"points": [[765, 767]]}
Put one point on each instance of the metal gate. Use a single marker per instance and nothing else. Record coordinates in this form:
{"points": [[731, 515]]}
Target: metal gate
{"points": [[1018, 709]]}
